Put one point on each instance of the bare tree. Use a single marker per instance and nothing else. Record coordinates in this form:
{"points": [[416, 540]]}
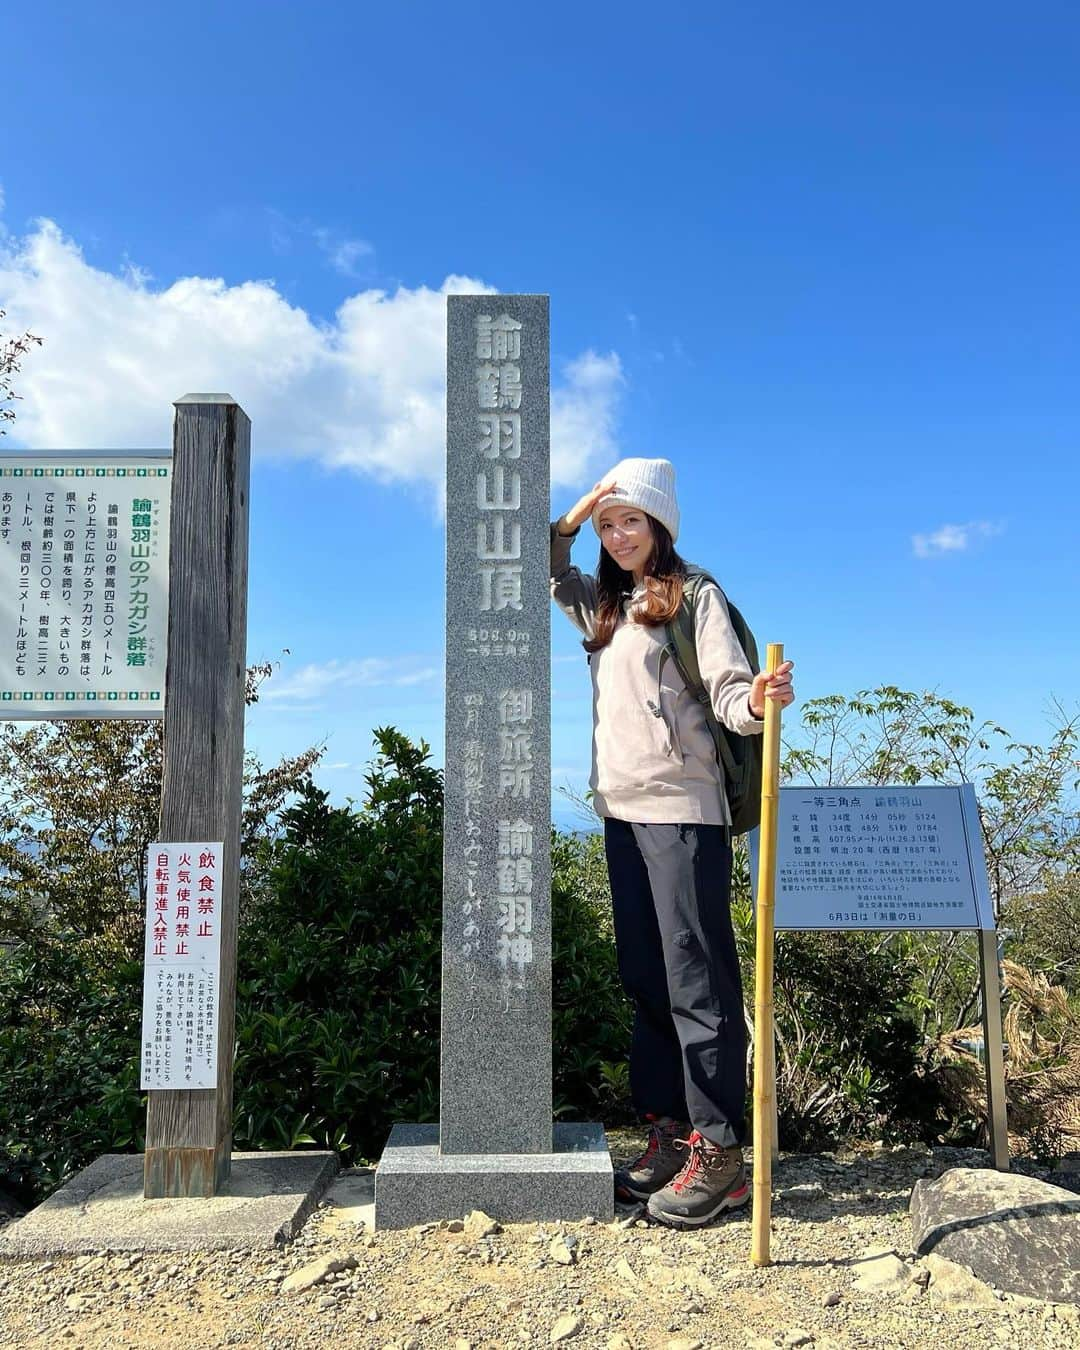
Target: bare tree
{"points": [[12, 350]]}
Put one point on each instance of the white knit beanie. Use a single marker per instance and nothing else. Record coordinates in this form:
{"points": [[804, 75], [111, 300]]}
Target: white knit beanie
{"points": [[645, 483]]}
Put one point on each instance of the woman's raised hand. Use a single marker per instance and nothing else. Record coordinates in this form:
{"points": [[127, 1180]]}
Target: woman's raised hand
{"points": [[777, 687], [583, 509]]}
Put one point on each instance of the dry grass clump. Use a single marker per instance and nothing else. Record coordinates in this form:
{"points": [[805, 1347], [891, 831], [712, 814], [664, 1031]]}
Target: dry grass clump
{"points": [[1041, 1028]]}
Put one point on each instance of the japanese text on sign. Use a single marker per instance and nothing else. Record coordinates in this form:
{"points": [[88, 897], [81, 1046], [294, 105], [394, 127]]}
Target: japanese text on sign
{"points": [[84, 550], [182, 973], [498, 446], [513, 862], [879, 858]]}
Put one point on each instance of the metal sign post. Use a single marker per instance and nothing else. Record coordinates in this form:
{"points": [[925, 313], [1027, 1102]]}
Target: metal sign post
{"points": [[993, 1048]]}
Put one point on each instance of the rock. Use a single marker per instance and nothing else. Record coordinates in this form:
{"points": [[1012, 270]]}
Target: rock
{"points": [[831, 1300], [684, 1343], [951, 1286], [706, 1286], [564, 1328], [316, 1272], [327, 1303], [75, 1302], [455, 1226], [619, 1342], [806, 1194], [796, 1337], [1017, 1233], [480, 1225], [880, 1271], [625, 1270], [559, 1251], [462, 1344]]}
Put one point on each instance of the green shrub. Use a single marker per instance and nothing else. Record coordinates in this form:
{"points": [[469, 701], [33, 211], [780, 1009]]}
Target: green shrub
{"points": [[590, 1016], [70, 1010], [338, 974], [851, 1061]]}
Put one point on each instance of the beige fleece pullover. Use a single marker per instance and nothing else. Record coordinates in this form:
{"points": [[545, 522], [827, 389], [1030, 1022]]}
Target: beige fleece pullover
{"points": [[654, 759]]}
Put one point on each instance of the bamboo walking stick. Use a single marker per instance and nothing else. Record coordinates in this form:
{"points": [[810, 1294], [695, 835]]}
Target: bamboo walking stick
{"points": [[764, 1070]]}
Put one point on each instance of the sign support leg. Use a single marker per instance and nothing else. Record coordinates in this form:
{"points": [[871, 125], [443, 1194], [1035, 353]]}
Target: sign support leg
{"points": [[993, 1048]]}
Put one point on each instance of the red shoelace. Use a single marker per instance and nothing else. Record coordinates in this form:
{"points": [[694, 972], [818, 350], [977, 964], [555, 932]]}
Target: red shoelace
{"points": [[652, 1145], [695, 1164]]}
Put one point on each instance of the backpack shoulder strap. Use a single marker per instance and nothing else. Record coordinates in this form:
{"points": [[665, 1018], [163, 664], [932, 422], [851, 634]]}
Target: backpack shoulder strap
{"points": [[683, 651]]}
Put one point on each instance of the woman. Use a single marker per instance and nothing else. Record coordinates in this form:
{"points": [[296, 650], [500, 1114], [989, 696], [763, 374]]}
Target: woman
{"points": [[657, 784]]}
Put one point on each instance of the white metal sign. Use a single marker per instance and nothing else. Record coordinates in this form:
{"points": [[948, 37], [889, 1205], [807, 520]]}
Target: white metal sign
{"points": [[84, 583], [879, 858], [182, 978]]}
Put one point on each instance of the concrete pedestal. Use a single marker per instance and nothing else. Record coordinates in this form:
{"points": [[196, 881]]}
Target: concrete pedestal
{"points": [[415, 1183], [263, 1204]]}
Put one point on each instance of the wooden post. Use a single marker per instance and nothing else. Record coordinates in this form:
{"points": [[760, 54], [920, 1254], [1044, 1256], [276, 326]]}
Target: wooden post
{"points": [[189, 1133], [764, 1054]]}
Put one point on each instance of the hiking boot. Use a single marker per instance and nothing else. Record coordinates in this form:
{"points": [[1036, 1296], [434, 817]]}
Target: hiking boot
{"points": [[658, 1164], [711, 1180]]}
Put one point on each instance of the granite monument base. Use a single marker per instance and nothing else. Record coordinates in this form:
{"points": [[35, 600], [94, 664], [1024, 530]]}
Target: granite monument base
{"points": [[415, 1183]]}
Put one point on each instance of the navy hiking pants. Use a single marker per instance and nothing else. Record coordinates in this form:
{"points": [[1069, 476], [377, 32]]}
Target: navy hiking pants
{"points": [[671, 892]]}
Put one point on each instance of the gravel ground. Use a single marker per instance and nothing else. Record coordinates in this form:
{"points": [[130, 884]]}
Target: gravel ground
{"points": [[620, 1286]]}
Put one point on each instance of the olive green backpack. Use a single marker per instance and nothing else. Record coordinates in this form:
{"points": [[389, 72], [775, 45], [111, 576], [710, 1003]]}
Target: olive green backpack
{"points": [[740, 757]]}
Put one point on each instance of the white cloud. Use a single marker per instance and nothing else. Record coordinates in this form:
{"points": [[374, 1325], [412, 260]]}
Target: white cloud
{"points": [[583, 418], [343, 254], [952, 538], [312, 683], [364, 391]]}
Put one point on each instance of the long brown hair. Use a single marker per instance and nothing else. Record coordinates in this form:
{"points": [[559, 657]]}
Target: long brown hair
{"points": [[665, 573]]}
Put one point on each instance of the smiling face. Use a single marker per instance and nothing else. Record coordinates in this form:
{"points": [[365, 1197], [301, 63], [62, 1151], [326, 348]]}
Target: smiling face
{"points": [[626, 532]]}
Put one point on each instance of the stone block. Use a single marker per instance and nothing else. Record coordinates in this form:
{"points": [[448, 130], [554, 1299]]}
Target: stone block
{"points": [[415, 1183]]}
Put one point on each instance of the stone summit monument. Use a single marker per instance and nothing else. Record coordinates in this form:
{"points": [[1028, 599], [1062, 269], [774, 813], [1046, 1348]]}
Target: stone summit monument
{"points": [[495, 1147]]}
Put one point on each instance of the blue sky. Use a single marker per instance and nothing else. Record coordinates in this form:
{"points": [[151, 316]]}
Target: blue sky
{"points": [[822, 257]]}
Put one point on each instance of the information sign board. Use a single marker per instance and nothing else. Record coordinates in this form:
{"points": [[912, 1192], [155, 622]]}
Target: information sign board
{"points": [[182, 980], [879, 858], [84, 583]]}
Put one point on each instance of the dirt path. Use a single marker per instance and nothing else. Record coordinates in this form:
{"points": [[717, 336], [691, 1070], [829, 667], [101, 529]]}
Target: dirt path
{"points": [[611, 1286]]}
